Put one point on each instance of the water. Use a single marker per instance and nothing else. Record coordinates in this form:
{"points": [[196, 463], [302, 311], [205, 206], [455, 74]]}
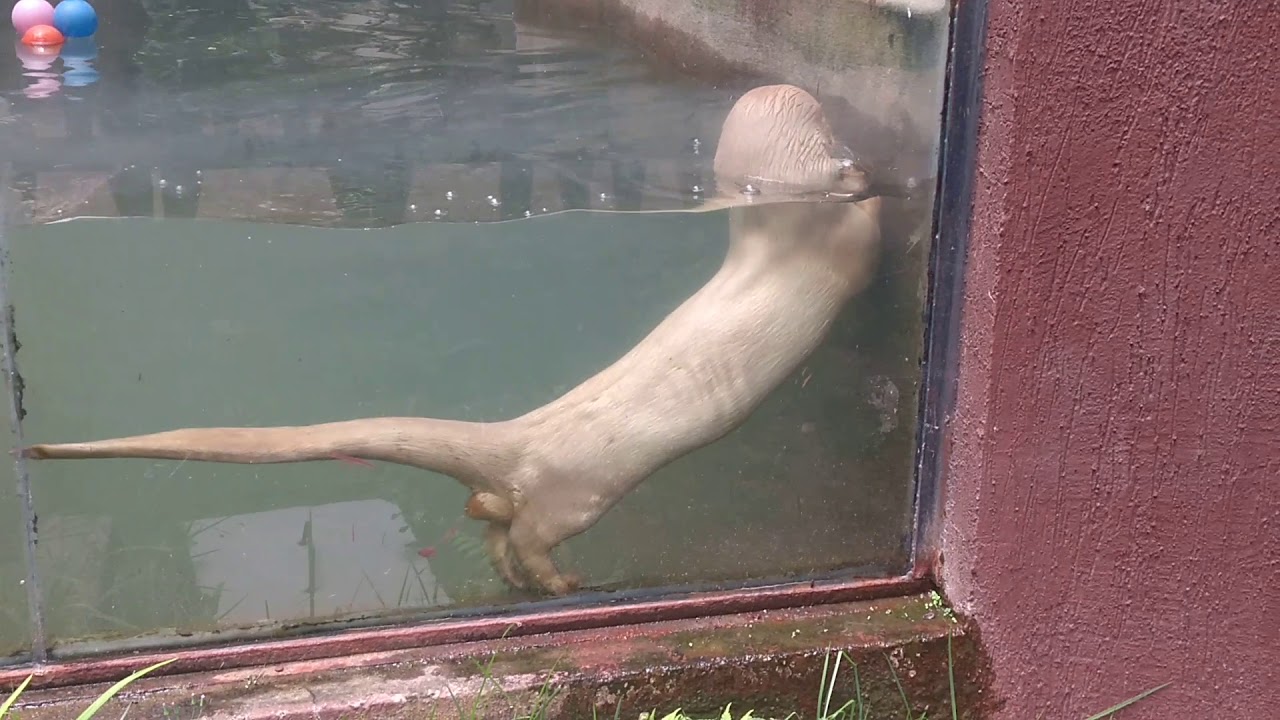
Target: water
{"points": [[332, 113], [267, 250]]}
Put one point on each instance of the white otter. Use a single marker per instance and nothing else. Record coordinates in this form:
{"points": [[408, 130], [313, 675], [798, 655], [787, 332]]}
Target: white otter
{"points": [[550, 474]]}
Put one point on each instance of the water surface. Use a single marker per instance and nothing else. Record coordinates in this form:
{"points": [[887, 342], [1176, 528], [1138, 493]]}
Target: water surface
{"points": [[360, 103]]}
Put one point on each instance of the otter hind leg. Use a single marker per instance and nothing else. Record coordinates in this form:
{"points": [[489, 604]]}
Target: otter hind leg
{"points": [[498, 546], [497, 511]]}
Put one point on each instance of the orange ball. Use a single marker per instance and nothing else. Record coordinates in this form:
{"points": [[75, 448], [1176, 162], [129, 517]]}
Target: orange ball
{"points": [[42, 36]]}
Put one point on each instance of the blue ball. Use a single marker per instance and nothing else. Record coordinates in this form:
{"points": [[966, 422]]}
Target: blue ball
{"points": [[75, 18]]}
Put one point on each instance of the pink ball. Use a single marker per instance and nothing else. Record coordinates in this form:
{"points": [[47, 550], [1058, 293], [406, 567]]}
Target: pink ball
{"points": [[29, 13]]}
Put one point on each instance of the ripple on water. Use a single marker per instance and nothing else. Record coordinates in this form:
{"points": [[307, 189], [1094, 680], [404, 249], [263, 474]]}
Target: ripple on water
{"points": [[517, 120]]}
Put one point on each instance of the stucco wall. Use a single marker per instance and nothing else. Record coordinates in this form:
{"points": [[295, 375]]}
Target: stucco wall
{"points": [[1113, 496]]}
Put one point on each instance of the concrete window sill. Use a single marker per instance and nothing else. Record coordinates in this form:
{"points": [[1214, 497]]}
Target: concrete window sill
{"points": [[770, 662]]}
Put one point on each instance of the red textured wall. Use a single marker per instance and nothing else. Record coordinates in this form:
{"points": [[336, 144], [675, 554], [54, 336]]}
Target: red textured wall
{"points": [[1113, 491]]}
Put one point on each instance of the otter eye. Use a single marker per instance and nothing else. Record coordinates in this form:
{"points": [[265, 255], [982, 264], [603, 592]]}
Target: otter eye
{"points": [[849, 169]]}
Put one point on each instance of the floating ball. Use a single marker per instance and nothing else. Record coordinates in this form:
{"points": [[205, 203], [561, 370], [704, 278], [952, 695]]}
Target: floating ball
{"points": [[75, 18], [35, 58], [30, 13], [42, 36]]}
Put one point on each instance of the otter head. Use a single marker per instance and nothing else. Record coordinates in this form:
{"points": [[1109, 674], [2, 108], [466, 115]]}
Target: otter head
{"points": [[776, 142]]}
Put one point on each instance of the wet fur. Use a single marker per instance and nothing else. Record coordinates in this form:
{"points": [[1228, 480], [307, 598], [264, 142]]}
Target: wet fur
{"points": [[550, 474]]}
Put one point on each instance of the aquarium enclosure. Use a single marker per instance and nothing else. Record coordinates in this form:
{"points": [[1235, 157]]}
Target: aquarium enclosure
{"points": [[279, 214]]}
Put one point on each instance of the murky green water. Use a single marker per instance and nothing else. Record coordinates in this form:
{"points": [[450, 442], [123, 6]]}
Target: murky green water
{"points": [[231, 159], [132, 326]]}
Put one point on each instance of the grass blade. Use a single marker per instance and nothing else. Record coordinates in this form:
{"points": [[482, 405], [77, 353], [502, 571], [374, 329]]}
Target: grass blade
{"points": [[901, 690], [105, 697], [831, 687], [857, 689], [951, 679], [13, 696], [1120, 706], [822, 684]]}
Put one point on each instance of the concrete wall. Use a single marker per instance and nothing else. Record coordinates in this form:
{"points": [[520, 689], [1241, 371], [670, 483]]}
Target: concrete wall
{"points": [[877, 65], [1113, 501]]}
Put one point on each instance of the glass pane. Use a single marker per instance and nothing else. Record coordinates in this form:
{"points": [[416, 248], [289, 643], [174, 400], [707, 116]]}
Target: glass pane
{"points": [[224, 167], [15, 628]]}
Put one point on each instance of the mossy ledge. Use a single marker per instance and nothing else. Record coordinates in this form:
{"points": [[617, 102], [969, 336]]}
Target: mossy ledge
{"points": [[770, 662]]}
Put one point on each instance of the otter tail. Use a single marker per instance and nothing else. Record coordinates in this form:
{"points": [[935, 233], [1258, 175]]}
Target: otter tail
{"points": [[459, 449]]}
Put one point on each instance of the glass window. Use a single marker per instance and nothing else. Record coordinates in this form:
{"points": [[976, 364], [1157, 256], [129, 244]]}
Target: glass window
{"points": [[671, 317], [15, 622]]}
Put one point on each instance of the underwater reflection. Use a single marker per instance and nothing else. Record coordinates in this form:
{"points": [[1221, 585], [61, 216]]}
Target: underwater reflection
{"points": [[37, 70], [107, 574], [313, 562], [46, 69], [78, 58]]}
